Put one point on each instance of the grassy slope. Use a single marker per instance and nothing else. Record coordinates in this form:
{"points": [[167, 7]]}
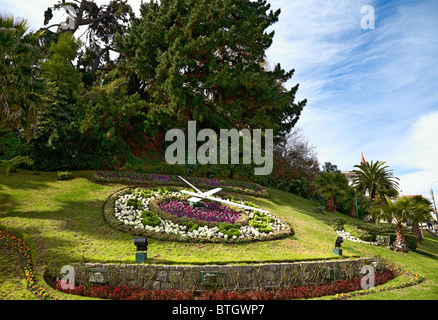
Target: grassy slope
{"points": [[63, 223]]}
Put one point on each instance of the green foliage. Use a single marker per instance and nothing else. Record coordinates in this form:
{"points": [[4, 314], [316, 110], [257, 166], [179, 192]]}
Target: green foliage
{"points": [[21, 86], [331, 185], [347, 200], [376, 178], [12, 164], [149, 218], [134, 202], [379, 228], [411, 241], [59, 70], [338, 224], [191, 226], [261, 222], [11, 145], [177, 51], [360, 234], [319, 210], [229, 229], [384, 240], [65, 175]]}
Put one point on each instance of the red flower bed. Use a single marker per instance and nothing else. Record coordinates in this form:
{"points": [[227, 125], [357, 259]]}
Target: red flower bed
{"points": [[301, 292], [125, 293]]}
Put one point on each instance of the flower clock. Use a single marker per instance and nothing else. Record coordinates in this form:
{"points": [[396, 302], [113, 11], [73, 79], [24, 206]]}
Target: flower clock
{"points": [[170, 215]]}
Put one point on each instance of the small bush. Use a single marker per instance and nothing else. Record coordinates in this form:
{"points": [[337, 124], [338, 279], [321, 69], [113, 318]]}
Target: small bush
{"points": [[65, 175], [229, 229], [319, 210], [384, 241], [191, 226], [261, 222], [366, 236], [134, 202], [338, 224], [150, 218], [12, 164], [411, 241]]}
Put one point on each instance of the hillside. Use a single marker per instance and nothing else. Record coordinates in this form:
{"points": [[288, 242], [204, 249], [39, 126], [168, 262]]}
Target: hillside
{"points": [[62, 222]]}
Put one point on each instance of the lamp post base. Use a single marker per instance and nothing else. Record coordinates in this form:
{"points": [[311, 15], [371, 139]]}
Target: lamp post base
{"points": [[140, 257]]}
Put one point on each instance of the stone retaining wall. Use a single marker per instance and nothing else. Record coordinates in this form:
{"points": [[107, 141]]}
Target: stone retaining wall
{"points": [[229, 277]]}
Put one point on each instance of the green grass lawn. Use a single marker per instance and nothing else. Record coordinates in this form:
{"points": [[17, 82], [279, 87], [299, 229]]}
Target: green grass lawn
{"points": [[62, 222]]}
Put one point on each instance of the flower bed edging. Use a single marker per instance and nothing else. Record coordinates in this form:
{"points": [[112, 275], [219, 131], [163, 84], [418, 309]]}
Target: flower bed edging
{"points": [[416, 279], [249, 188], [11, 242]]}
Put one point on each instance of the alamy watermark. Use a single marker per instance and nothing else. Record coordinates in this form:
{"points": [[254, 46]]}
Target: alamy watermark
{"points": [[368, 280], [68, 280], [369, 19], [229, 151]]}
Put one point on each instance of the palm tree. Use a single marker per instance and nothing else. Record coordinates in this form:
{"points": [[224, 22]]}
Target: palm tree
{"points": [[331, 185], [401, 210], [376, 179], [20, 84], [422, 213], [349, 198]]}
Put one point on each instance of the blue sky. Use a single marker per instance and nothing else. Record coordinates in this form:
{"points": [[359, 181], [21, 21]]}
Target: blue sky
{"points": [[369, 91], [372, 91]]}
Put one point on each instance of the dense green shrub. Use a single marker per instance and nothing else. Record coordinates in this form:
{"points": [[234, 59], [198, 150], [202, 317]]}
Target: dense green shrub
{"points": [[229, 229], [134, 202], [366, 236], [380, 228], [12, 164], [11, 145], [261, 222], [65, 175], [338, 224], [150, 218], [170, 169], [411, 241], [191, 226], [384, 241], [319, 210], [359, 233]]}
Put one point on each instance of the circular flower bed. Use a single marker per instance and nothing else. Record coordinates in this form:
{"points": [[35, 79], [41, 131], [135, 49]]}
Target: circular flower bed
{"points": [[167, 215]]}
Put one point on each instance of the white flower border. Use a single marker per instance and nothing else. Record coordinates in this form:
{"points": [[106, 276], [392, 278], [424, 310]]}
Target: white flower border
{"points": [[348, 236], [130, 216]]}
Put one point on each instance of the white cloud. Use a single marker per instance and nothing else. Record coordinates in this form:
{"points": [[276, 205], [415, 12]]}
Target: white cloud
{"points": [[368, 91], [419, 153]]}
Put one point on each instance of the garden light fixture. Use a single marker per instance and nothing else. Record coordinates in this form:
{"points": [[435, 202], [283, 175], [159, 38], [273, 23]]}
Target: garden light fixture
{"points": [[336, 249], [338, 242], [142, 247]]}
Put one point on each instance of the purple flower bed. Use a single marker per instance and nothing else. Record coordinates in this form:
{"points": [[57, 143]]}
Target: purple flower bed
{"points": [[212, 212], [163, 178]]}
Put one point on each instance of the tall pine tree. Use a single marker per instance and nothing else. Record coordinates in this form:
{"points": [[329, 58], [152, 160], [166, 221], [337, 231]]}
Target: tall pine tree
{"points": [[205, 60]]}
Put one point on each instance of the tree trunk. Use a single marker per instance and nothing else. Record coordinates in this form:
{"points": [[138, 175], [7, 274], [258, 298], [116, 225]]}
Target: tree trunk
{"points": [[417, 232], [400, 243], [330, 204], [352, 210]]}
